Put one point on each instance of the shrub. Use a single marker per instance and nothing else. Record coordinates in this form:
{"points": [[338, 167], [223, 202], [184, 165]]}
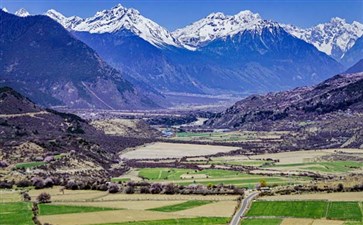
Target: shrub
{"points": [[156, 188], [48, 182], [26, 197], [113, 188], [340, 187], [44, 198], [144, 190], [3, 164], [37, 182], [6, 184], [169, 189], [129, 190], [24, 183], [102, 187], [72, 185]]}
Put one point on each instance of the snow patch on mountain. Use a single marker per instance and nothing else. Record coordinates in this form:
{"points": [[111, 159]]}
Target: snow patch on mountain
{"points": [[334, 38], [67, 22], [5, 9], [22, 13]]}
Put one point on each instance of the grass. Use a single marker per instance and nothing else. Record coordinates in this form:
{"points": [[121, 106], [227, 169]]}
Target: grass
{"points": [[224, 176], [344, 211], [17, 213], [29, 165], [348, 211], [181, 206], [49, 209], [273, 221], [182, 221], [328, 167], [120, 179], [174, 174], [299, 209], [238, 182]]}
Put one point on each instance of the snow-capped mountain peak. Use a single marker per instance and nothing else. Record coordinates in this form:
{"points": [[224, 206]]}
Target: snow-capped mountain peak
{"points": [[5, 9], [218, 25], [334, 37], [67, 22], [22, 13], [117, 19]]}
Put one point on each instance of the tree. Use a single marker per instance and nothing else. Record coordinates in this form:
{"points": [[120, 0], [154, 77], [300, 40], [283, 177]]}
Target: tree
{"points": [[26, 197], [130, 190], [169, 189], [44, 198], [38, 182], [155, 188], [113, 188], [263, 183], [340, 187]]}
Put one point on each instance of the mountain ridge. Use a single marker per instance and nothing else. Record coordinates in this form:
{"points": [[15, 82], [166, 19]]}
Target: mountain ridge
{"points": [[74, 75]]}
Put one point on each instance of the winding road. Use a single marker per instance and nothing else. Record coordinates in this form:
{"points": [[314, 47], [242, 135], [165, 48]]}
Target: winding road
{"points": [[245, 203]]}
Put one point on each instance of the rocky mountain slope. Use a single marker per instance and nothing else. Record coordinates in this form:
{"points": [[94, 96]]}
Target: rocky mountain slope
{"points": [[354, 54], [66, 144], [340, 93], [327, 114], [42, 60]]}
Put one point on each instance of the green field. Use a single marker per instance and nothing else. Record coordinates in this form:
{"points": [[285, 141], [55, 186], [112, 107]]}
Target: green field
{"points": [[250, 183], [299, 209], [174, 174], [184, 221], [272, 221], [213, 177], [348, 211], [49, 209], [29, 165], [181, 206], [17, 213], [232, 136], [120, 179], [344, 211], [327, 167]]}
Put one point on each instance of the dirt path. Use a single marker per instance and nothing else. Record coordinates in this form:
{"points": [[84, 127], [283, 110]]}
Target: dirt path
{"points": [[33, 114]]}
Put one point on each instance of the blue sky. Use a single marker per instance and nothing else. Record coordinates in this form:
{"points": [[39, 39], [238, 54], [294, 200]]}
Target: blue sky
{"points": [[174, 14]]}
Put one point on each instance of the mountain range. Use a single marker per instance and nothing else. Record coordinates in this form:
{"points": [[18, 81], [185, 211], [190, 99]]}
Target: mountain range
{"points": [[218, 54], [273, 59], [39, 58]]}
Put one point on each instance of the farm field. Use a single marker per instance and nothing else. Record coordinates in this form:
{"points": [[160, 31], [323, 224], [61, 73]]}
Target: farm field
{"points": [[323, 167], [273, 221], [233, 136], [182, 221], [97, 207], [16, 213], [160, 150], [304, 156], [342, 196], [212, 176], [181, 206], [304, 212]]}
